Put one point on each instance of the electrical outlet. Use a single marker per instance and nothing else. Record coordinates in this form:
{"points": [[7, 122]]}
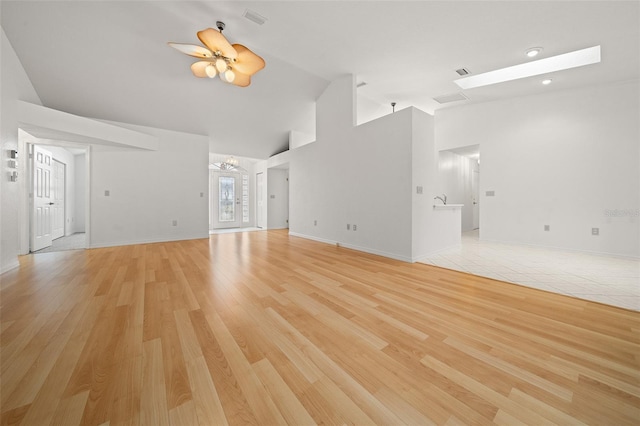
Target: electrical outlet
{"points": [[201, 194], [315, 223], [107, 193], [546, 228], [418, 189], [595, 231], [355, 227], [348, 227], [174, 223]]}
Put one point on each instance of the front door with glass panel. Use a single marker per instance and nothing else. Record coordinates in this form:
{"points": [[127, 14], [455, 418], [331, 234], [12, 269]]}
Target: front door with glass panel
{"points": [[226, 201]]}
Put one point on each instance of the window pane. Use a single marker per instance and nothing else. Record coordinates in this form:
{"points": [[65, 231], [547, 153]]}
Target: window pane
{"points": [[245, 198], [226, 199]]}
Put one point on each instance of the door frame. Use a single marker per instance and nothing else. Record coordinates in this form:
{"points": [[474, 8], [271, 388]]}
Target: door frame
{"points": [[64, 199], [25, 142], [214, 188]]}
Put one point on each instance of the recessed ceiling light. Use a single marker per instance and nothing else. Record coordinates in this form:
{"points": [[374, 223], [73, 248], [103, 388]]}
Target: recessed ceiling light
{"points": [[533, 52], [578, 58], [546, 81]]}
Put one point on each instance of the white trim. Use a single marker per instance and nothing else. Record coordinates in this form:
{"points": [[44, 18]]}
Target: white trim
{"points": [[10, 266], [379, 253], [561, 248], [355, 247], [149, 241], [309, 237]]}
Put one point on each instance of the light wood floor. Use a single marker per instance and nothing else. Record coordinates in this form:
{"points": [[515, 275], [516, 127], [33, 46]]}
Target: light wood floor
{"points": [[263, 328]]}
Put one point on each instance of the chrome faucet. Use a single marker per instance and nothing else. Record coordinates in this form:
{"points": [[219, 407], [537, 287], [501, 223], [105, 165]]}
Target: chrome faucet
{"points": [[443, 198]]}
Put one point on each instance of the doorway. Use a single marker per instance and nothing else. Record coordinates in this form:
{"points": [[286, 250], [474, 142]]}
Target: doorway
{"points": [[226, 201], [53, 196], [459, 179]]}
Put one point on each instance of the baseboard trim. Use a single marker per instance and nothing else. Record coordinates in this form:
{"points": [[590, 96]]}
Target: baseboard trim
{"points": [[354, 247], [8, 267], [148, 241], [560, 248]]}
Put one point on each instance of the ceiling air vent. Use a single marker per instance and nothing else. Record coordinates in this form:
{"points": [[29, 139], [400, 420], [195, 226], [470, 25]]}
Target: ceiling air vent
{"points": [[462, 71], [454, 97], [254, 16]]}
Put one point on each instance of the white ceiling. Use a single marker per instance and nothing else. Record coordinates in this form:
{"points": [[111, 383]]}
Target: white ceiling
{"points": [[109, 60]]}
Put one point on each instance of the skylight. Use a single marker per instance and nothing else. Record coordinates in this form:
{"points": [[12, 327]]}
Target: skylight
{"points": [[565, 61]]}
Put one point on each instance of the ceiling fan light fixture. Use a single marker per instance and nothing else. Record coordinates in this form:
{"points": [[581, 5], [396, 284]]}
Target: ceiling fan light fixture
{"points": [[221, 65], [210, 70], [220, 56]]}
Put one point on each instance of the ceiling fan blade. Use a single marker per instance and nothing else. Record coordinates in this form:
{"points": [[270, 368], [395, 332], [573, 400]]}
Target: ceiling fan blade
{"points": [[215, 41], [192, 50], [242, 80], [247, 62], [199, 68]]}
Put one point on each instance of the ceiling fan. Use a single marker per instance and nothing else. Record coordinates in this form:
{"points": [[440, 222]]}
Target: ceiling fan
{"points": [[234, 64]]}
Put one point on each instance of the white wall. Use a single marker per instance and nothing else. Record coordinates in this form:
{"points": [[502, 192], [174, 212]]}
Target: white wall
{"points": [[565, 159], [278, 201], [148, 190], [345, 177], [455, 173], [15, 86]]}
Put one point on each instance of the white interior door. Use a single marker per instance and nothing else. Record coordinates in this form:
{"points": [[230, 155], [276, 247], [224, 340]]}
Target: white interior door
{"points": [[58, 198], [226, 200], [41, 213], [259, 200], [475, 189]]}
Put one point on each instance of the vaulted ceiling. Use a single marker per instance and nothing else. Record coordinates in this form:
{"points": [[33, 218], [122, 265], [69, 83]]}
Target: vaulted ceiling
{"points": [[110, 60]]}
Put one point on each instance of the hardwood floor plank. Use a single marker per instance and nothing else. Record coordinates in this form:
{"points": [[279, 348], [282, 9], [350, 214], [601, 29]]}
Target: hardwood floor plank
{"points": [[184, 414], [258, 399], [290, 407], [153, 403], [207, 404], [236, 407], [70, 409], [265, 328]]}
